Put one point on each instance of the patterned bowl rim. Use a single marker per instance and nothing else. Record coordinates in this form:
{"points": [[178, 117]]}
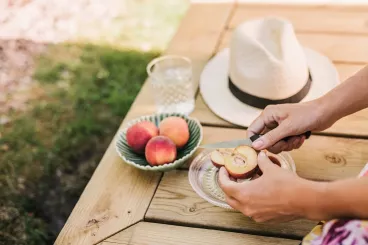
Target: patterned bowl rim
{"points": [[177, 162]]}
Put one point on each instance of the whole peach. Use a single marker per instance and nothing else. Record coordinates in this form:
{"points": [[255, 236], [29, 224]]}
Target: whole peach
{"points": [[160, 150], [139, 134], [176, 128]]}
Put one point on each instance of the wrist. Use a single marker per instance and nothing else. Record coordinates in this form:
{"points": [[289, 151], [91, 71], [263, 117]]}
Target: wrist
{"points": [[308, 199], [325, 113]]}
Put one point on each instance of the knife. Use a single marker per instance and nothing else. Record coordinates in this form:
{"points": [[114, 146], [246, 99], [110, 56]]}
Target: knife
{"points": [[247, 141]]}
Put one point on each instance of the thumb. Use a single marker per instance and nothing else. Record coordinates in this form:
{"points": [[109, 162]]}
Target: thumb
{"points": [[272, 137], [225, 183], [264, 163]]}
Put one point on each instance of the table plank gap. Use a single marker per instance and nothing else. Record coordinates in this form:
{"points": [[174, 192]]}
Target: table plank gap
{"points": [[308, 18], [152, 233], [225, 229], [159, 181], [312, 6]]}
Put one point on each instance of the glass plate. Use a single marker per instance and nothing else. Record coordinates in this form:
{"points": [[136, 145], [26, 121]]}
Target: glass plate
{"points": [[203, 176]]}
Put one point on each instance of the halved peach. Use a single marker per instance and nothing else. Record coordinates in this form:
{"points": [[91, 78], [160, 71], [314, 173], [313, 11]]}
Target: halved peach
{"points": [[245, 150], [242, 166], [218, 155]]}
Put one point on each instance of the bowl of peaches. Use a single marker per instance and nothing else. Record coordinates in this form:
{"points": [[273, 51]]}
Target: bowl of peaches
{"points": [[159, 142], [241, 164]]}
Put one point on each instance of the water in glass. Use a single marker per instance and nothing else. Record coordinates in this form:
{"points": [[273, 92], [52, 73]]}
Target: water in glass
{"points": [[172, 85]]}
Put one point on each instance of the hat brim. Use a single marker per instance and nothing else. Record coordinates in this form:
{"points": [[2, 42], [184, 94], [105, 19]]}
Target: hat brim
{"points": [[216, 94]]}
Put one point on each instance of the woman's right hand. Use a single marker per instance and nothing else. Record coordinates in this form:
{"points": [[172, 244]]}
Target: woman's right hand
{"points": [[279, 121]]}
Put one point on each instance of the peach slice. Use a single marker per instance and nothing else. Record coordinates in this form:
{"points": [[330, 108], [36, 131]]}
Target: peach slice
{"points": [[218, 155], [242, 165]]}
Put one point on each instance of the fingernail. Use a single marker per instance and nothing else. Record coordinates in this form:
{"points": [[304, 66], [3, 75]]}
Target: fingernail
{"points": [[258, 143], [262, 154]]}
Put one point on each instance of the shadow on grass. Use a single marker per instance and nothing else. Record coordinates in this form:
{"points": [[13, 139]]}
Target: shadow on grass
{"points": [[48, 154]]}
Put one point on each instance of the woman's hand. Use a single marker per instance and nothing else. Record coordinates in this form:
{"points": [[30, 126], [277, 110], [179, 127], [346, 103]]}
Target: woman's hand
{"points": [[275, 196], [279, 121]]}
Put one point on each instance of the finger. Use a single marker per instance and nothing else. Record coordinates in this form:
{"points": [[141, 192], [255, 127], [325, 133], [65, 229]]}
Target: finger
{"points": [[292, 143], [261, 219], [265, 164], [232, 178], [232, 202], [278, 147], [272, 137], [228, 186], [296, 142], [273, 219], [300, 143], [256, 127]]}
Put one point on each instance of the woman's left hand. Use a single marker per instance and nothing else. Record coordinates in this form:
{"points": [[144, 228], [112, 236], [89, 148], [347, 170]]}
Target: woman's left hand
{"points": [[274, 197]]}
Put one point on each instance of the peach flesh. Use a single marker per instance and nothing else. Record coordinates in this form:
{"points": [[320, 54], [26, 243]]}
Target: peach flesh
{"points": [[139, 134], [217, 157], [160, 150], [176, 128], [240, 166]]}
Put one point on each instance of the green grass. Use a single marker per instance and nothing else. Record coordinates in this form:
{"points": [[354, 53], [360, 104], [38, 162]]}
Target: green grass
{"points": [[48, 154], [54, 148]]}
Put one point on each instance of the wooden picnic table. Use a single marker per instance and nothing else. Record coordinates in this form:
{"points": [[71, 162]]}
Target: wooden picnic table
{"points": [[125, 205]]}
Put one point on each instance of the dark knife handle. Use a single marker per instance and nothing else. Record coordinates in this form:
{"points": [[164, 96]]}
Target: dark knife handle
{"points": [[256, 136]]}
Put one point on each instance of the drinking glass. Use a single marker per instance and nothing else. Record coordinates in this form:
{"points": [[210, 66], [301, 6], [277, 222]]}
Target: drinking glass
{"points": [[172, 85]]}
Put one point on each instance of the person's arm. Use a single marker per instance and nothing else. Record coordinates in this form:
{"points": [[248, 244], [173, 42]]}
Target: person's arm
{"points": [[279, 121], [347, 98], [338, 199]]}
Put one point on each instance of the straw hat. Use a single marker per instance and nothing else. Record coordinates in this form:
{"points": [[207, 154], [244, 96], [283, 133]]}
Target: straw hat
{"points": [[264, 64]]}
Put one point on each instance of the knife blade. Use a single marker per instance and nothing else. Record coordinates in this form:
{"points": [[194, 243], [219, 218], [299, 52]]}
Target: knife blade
{"points": [[246, 141]]}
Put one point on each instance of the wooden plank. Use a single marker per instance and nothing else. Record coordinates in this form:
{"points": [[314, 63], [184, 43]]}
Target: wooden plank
{"points": [[196, 40], [145, 233], [307, 18], [339, 48], [320, 158], [118, 195], [176, 202]]}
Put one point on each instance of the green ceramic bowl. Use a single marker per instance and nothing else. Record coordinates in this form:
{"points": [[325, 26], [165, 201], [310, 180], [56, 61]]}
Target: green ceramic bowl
{"points": [[139, 161]]}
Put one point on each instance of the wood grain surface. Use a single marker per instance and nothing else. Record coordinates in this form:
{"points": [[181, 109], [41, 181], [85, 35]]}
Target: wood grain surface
{"points": [[145, 233], [309, 19], [117, 194], [176, 202]]}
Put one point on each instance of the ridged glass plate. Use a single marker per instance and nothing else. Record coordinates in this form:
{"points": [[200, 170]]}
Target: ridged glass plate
{"points": [[139, 161], [203, 176]]}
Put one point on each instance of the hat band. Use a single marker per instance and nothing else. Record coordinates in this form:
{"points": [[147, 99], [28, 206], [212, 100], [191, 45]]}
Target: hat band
{"points": [[261, 103]]}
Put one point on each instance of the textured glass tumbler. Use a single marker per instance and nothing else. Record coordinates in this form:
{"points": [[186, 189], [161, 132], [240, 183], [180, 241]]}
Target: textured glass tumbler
{"points": [[171, 79]]}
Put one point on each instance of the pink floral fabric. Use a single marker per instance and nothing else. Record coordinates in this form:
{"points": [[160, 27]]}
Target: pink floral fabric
{"points": [[338, 231]]}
